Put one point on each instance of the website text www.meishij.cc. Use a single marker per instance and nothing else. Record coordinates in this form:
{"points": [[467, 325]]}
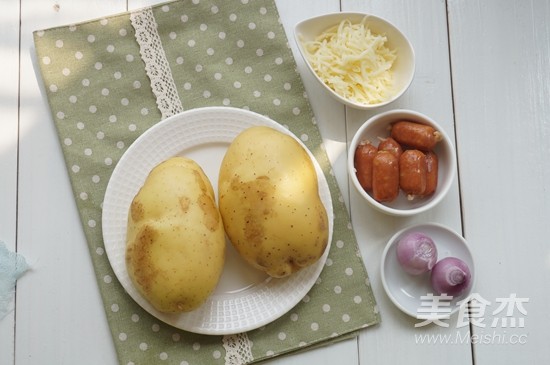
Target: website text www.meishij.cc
{"points": [[466, 337]]}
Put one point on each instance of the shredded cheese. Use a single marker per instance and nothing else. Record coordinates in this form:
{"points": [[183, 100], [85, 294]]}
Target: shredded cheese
{"points": [[354, 62]]}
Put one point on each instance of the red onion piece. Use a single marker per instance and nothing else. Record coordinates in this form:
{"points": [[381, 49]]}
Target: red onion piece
{"points": [[417, 253], [451, 276]]}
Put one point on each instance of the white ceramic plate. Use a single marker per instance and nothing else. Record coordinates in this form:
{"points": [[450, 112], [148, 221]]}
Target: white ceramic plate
{"points": [[406, 290], [245, 298]]}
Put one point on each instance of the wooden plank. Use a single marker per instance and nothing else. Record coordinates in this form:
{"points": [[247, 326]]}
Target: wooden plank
{"points": [[9, 53], [501, 76], [430, 93], [60, 319], [329, 113]]}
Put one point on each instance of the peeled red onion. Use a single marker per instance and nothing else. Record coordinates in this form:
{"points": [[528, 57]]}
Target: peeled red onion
{"points": [[417, 253], [451, 276]]}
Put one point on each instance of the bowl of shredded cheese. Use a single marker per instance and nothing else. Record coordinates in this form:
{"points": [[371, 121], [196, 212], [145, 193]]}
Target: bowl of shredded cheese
{"points": [[362, 60]]}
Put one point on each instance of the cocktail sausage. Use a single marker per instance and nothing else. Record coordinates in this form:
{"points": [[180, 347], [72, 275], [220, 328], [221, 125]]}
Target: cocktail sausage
{"points": [[412, 173], [364, 154], [389, 144], [385, 176], [415, 135]]}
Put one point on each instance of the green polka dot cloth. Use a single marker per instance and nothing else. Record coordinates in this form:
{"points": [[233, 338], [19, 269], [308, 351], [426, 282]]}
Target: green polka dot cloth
{"points": [[108, 80]]}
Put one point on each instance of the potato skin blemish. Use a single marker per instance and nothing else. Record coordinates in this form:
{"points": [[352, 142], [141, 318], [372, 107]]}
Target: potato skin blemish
{"points": [[270, 204], [175, 248]]}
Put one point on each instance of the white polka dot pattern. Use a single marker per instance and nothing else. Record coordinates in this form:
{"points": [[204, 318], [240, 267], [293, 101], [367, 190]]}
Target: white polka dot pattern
{"points": [[221, 53]]}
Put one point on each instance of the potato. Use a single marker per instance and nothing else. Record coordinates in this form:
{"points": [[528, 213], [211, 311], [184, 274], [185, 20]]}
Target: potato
{"points": [[269, 202], [175, 248]]}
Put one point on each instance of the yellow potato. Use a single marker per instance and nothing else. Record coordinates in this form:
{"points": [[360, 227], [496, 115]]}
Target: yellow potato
{"points": [[269, 202], [175, 241]]}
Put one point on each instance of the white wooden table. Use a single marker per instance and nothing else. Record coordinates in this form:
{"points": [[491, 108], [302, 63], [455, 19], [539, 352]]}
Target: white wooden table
{"points": [[483, 72]]}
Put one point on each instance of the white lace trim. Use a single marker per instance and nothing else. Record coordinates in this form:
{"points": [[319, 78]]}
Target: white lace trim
{"points": [[156, 64], [238, 349]]}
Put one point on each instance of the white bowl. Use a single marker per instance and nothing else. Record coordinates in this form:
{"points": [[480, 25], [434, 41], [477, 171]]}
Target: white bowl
{"points": [[403, 67], [377, 126], [406, 291]]}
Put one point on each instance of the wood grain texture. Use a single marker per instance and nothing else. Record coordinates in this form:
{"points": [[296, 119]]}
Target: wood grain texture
{"points": [[501, 78]]}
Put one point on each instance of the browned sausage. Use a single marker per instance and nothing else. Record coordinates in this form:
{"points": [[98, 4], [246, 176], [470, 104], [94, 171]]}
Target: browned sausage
{"points": [[364, 154], [412, 173], [385, 176], [415, 135], [431, 172], [389, 144]]}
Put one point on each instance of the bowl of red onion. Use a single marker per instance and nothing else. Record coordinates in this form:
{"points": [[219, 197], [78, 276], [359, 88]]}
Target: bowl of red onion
{"points": [[428, 271]]}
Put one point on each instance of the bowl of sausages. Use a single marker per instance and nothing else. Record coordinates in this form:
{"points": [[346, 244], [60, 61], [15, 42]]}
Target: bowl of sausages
{"points": [[402, 162]]}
